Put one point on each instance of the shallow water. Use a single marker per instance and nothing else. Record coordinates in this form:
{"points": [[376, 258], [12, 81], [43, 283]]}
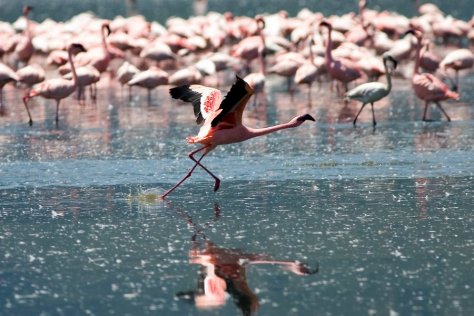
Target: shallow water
{"points": [[385, 214]]}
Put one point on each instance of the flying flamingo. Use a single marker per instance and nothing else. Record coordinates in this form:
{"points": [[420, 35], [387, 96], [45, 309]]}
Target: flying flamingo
{"points": [[428, 87], [57, 88], [342, 70], [458, 59], [222, 119], [371, 92]]}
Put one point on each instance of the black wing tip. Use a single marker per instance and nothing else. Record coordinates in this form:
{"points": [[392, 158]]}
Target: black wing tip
{"points": [[179, 92]]}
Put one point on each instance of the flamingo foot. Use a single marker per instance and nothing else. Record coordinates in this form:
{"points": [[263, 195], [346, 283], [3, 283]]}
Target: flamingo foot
{"points": [[217, 185]]}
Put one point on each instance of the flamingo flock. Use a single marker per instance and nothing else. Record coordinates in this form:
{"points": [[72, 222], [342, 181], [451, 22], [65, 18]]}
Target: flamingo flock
{"points": [[194, 57], [347, 50]]}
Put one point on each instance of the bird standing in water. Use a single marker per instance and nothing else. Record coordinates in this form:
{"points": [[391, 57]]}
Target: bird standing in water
{"points": [[222, 120], [371, 92]]}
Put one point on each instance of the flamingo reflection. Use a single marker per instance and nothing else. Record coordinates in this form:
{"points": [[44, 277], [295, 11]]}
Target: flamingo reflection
{"points": [[223, 271]]}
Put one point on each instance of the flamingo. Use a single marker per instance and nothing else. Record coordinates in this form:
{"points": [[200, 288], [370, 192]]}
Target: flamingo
{"points": [[149, 79], [31, 74], [222, 120], [428, 87], [86, 76], [24, 48], [125, 73], [256, 80], [251, 47], [342, 69], [457, 60], [56, 88], [6, 75], [309, 71], [371, 92]]}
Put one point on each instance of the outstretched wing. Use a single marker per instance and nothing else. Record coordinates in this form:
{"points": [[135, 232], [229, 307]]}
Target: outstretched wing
{"points": [[205, 100], [234, 103]]}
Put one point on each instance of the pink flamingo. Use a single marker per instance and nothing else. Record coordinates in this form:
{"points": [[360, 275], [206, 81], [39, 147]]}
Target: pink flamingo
{"points": [[24, 48], [222, 120], [86, 76], [256, 80], [150, 79], [251, 47], [57, 88], [342, 70], [428, 87], [31, 74], [309, 71], [457, 60], [6, 75], [125, 73]]}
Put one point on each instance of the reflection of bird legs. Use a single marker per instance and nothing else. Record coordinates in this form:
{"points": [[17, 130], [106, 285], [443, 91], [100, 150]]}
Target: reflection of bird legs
{"points": [[198, 230], [197, 163]]}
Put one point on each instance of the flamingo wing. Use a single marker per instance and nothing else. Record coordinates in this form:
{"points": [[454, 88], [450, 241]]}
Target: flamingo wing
{"points": [[205, 100], [234, 103]]}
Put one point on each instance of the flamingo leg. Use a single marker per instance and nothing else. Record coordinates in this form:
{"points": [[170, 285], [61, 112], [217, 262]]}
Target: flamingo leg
{"points": [[361, 108], [57, 111], [197, 163], [442, 110], [425, 111], [309, 94], [25, 102], [373, 114], [456, 80]]}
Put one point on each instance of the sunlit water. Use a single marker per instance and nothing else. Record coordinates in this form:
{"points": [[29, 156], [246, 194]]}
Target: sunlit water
{"points": [[381, 218], [385, 214]]}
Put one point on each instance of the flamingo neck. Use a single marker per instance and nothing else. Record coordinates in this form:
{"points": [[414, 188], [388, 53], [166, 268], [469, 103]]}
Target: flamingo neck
{"points": [[28, 25], [104, 42], [73, 68], [311, 53], [329, 46], [256, 132], [262, 59], [388, 76], [418, 57]]}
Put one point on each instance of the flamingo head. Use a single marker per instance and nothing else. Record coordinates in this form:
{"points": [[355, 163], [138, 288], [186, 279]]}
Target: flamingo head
{"points": [[27, 9], [305, 117], [260, 21], [325, 23], [415, 33], [76, 48], [388, 57], [106, 26], [301, 268]]}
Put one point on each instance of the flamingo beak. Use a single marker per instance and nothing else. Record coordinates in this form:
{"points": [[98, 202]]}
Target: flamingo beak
{"points": [[306, 117]]}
